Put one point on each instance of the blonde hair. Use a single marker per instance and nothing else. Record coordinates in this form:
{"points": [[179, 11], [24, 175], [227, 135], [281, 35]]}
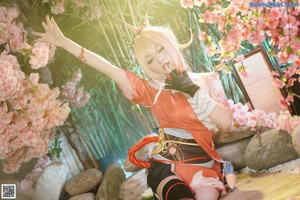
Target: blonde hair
{"points": [[144, 44]]}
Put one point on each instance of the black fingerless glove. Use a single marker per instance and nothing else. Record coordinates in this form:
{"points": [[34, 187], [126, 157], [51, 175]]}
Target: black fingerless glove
{"points": [[182, 83]]}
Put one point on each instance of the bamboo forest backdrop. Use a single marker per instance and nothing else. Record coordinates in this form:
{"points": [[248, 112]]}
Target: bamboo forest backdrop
{"points": [[110, 124]]}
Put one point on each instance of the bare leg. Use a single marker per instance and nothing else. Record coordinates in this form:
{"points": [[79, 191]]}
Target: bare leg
{"points": [[206, 193]]}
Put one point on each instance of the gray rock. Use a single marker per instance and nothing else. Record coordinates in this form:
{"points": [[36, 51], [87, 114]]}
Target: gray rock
{"points": [[129, 167], [296, 139], [83, 182], [110, 185], [134, 186], [271, 148], [142, 154], [51, 182], [235, 134], [234, 152], [85, 196]]}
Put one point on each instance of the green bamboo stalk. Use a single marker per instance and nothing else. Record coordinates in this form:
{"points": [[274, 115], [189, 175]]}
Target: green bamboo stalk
{"points": [[108, 41], [132, 13], [116, 39], [132, 125], [125, 47], [119, 129], [124, 21]]}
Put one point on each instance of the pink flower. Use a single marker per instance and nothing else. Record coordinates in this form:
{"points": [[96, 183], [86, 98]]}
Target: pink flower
{"points": [[295, 45], [42, 162], [12, 13], [239, 58], [290, 71], [244, 74], [296, 11], [257, 37], [243, 6], [16, 36], [290, 30], [209, 17], [11, 77], [59, 8], [290, 98], [275, 73], [233, 34], [232, 10], [297, 61], [272, 23], [283, 121], [278, 83], [245, 32], [283, 103], [221, 23], [218, 9], [76, 96], [40, 55], [209, 2], [34, 111], [283, 57], [291, 81], [186, 3], [274, 13]]}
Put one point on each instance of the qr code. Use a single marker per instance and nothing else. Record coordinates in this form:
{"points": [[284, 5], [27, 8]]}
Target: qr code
{"points": [[8, 191]]}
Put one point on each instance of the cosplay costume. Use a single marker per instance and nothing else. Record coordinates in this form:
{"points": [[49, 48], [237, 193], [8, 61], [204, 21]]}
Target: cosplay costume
{"points": [[185, 136]]}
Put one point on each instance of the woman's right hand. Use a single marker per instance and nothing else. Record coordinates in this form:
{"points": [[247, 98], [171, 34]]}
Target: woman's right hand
{"points": [[52, 35]]}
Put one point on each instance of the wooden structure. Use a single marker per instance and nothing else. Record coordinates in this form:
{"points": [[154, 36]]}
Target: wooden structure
{"points": [[258, 86], [266, 186]]}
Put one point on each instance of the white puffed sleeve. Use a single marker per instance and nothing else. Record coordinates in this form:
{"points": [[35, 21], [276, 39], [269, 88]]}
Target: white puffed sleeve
{"points": [[203, 105], [211, 93]]}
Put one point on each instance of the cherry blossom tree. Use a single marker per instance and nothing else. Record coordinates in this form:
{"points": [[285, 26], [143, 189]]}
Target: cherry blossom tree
{"points": [[255, 21], [29, 110]]}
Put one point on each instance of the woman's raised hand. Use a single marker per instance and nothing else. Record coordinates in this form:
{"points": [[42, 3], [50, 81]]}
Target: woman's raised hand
{"points": [[52, 35]]}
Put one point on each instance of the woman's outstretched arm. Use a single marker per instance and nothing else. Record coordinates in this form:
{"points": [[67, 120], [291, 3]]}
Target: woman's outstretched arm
{"points": [[54, 36]]}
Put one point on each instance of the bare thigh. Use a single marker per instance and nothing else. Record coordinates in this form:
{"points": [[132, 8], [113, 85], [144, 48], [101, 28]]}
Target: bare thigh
{"points": [[206, 193]]}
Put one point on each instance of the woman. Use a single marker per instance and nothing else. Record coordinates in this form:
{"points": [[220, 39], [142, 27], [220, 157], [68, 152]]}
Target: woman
{"points": [[184, 109]]}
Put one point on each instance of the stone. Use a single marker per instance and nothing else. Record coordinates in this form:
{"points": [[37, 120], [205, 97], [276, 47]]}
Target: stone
{"points": [[110, 185], [269, 149], [51, 182], [83, 182], [235, 134], [234, 152], [296, 139], [85, 196], [142, 154], [129, 167], [134, 186]]}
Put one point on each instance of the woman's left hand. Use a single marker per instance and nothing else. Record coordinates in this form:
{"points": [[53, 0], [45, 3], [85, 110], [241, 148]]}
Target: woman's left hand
{"points": [[181, 83]]}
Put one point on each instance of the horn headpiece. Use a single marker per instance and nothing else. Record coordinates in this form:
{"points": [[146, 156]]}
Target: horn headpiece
{"points": [[137, 31]]}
